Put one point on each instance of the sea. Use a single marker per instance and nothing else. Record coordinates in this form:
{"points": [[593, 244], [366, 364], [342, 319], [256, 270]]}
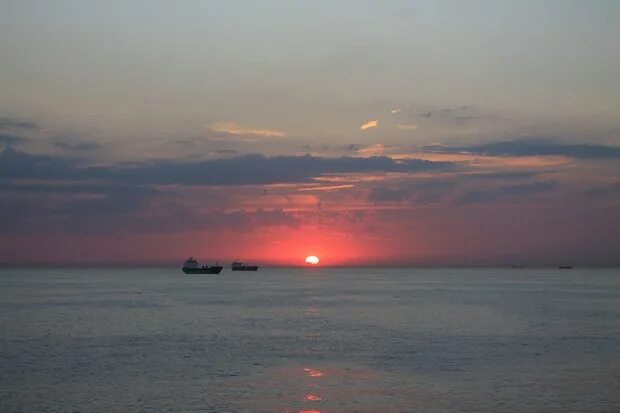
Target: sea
{"points": [[312, 340]]}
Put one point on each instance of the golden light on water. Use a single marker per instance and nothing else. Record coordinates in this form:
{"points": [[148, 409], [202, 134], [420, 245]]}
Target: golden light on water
{"points": [[312, 397], [313, 372]]}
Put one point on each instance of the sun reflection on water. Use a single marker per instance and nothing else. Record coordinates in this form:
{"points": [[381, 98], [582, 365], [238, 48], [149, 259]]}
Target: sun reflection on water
{"points": [[313, 372], [311, 311], [312, 397]]}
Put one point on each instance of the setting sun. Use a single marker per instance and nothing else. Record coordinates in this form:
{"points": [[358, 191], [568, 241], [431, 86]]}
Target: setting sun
{"points": [[312, 259]]}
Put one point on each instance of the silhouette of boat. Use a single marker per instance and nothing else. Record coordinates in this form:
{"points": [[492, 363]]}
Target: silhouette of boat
{"points": [[191, 266], [565, 267], [238, 265]]}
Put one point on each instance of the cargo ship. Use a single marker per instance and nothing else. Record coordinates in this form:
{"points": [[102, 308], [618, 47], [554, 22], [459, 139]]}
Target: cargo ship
{"points": [[191, 266], [238, 265]]}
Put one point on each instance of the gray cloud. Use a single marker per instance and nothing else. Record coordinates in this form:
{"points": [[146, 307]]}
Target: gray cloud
{"points": [[612, 190], [462, 113], [82, 207], [69, 196], [532, 147], [15, 164], [10, 123], [10, 139], [71, 188], [421, 192], [77, 146], [258, 169], [225, 151], [11, 130], [139, 211], [382, 194], [495, 194], [510, 175], [243, 170]]}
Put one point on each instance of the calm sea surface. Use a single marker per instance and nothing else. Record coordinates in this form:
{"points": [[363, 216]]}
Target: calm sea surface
{"points": [[310, 340]]}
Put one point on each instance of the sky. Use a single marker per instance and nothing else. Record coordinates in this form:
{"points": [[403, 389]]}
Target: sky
{"points": [[364, 132]]}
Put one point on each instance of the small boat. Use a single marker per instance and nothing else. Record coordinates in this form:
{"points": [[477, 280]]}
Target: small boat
{"points": [[565, 267], [191, 266], [238, 265]]}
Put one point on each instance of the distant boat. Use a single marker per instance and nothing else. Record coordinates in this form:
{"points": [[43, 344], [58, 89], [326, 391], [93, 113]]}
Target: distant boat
{"points": [[517, 266], [238, 265], [191, 266], [565, 267]]}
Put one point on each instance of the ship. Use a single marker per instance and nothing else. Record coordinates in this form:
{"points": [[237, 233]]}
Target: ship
{"points": [[191, 266], [565, 267], [238, 265]]}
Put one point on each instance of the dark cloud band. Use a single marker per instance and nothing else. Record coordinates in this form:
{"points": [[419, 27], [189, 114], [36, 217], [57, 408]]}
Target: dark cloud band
{"points": [[244, 170]]}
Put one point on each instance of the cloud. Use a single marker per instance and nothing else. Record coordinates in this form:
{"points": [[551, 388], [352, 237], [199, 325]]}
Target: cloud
{"points": [[382, 194], [41, 208], [406, 126], [371, 150], [232, 128], [612, 190], [532, 147], [77, 146], [225, 151], [258, 169], [370, 124], [50, 194], [120, 211], [241, 170], [462, 113], [10, 123], [508, 175], [327, 187], [15, 164], [73, 188], [495, 194], [9, 139], [421, 192]]}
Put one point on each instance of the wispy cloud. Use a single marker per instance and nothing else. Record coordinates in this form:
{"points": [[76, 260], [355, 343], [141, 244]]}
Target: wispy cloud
{"points": [[371, 150], [462, 113], [235, 129], [370, 124], [77, 146], [532, 147], [242, 170], [10, 123], [495, 194], [327, 187], [606, 191], [421, 192], [10, 139]]}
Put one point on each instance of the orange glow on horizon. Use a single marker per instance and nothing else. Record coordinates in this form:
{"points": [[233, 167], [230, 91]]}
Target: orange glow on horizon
{"points": [[312, 259]]}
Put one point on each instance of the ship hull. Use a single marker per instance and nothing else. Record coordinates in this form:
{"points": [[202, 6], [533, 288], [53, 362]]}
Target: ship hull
{"points": [[246, 268], [205, 270]]}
